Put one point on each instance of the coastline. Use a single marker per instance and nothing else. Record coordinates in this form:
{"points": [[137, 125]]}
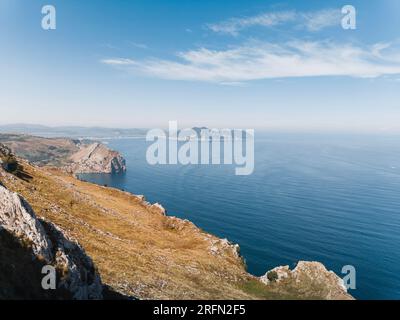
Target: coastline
{"points": [[311, 269], [142, 252]]}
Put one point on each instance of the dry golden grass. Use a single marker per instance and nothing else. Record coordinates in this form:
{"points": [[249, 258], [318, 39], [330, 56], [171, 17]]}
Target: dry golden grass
{"points": [[138, 251]]}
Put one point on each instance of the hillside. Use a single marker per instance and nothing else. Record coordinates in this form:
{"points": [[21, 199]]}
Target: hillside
{"points": [[139, 251], [74, 156]]}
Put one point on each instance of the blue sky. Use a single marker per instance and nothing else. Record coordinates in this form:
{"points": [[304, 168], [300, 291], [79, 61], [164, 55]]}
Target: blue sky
{"points": [[238, 64]]}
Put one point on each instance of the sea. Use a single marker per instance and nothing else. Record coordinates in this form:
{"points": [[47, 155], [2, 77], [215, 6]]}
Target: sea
{"points": [[332, 198]]}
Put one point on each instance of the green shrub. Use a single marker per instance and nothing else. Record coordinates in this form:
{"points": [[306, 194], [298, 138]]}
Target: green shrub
{"points": [[10, 164], [272, 276]]}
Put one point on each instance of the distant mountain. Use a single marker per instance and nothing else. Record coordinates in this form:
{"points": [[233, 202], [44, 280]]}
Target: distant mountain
{"points": [[71, 131]]}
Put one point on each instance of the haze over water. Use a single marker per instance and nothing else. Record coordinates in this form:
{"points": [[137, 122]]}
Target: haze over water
{"points": [[328, 198]]}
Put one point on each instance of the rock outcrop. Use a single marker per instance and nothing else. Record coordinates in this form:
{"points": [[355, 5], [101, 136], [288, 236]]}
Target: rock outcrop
{"points": [[309, 276], [4, 153], [220, 245], [77, 275], [4, 150], [17, 217], [97, 158]]}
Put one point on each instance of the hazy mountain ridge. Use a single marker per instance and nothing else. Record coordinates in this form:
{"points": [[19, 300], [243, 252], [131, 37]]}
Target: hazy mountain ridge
{"points": [[71, 131]]}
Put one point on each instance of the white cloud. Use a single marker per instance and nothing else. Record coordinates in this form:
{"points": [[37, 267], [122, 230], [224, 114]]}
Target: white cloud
{"points": [[119, 62], [255, 61], [234, 25], [315, 21], [312, 21], [138, 45]]}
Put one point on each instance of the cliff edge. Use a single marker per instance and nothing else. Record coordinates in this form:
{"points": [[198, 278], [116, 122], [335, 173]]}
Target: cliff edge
{"points": [[97, 158], [326, 284]]}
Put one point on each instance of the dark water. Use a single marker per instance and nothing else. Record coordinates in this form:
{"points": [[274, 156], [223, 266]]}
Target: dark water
{"points": [[334, 199]]}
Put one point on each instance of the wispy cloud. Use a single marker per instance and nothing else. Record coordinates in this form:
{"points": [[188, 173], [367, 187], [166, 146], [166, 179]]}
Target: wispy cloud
{"points": [[255, 61], [234, 25], [109, 46], [312, 21], [315, 21], [119, 62], [138, 45]]}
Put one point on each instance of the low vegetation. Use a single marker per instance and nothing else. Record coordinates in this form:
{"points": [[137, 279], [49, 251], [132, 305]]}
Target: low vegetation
{"points": [[272, 276], [10, 163]]}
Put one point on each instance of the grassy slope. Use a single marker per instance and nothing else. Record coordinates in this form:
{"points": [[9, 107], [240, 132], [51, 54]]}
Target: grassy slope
{"points": [[54, 151], [140, 252]]}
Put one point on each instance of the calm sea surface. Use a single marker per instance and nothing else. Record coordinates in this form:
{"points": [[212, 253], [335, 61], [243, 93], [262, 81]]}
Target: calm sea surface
{"points": [[334, 199]]}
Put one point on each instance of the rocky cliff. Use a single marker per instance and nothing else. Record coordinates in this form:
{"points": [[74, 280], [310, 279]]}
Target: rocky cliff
{"points": [[327, 285], [47, 244], [97, 158]]}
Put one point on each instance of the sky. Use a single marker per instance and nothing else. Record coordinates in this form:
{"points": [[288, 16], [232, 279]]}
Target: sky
{"points": [[236, 64]]}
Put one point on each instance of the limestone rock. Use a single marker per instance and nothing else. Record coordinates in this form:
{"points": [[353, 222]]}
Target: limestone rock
{"points": [[81, 279], [282, 272], [18, 217], [79, 276], [217, 246], [157, 208], [96, 158], [4, 150], [310, 277]]}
